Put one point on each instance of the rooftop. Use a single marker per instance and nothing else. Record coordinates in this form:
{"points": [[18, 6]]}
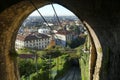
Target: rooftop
{"points": [[63, 32], [31, 36]]}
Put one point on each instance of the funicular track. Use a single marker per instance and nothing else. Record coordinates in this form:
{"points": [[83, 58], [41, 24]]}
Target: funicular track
{"points": [[72, 74]]}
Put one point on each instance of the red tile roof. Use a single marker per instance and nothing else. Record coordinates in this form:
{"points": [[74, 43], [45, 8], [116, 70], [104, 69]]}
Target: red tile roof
{"points": [[27, 56], [63, 32], [32, 36]]}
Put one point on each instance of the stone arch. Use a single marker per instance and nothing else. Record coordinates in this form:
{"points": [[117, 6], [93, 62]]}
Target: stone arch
{"points": [[95, 13]]}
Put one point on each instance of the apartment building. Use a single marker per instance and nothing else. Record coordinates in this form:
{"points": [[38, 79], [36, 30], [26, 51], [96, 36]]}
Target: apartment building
{"points": [[32, 40]]}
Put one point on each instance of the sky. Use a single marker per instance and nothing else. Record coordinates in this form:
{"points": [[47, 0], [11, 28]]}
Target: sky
{"points": [[47, 10]]}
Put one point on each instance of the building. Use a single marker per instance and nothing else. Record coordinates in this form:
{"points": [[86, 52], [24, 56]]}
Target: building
{"points": [[45, 31], [33, 40], [62, 36]]}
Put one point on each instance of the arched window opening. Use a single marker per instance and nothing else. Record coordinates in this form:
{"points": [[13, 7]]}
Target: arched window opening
{"points": [[50, 44]]}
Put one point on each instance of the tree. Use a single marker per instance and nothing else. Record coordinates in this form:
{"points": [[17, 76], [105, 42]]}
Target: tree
{"points": [[27, 67], [76, 42]]}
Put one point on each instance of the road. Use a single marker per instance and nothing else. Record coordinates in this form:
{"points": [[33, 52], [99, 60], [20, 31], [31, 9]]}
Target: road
{"points": [[72, 74]]}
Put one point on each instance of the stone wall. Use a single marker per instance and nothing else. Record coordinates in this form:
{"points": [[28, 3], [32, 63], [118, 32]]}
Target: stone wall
{"points": [[10, 21], [103, 17]]}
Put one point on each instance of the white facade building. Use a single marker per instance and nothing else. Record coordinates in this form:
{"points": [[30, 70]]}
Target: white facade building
{"points": [[62, 36], [45, 31], [33, 40]]}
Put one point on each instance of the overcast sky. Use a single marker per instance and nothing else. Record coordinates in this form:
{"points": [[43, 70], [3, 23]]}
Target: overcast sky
{"points": [[48, 11]]}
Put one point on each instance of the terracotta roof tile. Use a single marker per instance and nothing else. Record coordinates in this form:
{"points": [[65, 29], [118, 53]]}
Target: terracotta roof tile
{"points": [[32, 36], [63, 32]]}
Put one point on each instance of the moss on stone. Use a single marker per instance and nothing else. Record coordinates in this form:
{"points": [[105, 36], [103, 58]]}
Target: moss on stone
{"points": [[99, 50]]}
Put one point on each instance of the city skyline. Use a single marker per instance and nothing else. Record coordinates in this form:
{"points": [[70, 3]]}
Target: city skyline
{"points": [[47, 10]]}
